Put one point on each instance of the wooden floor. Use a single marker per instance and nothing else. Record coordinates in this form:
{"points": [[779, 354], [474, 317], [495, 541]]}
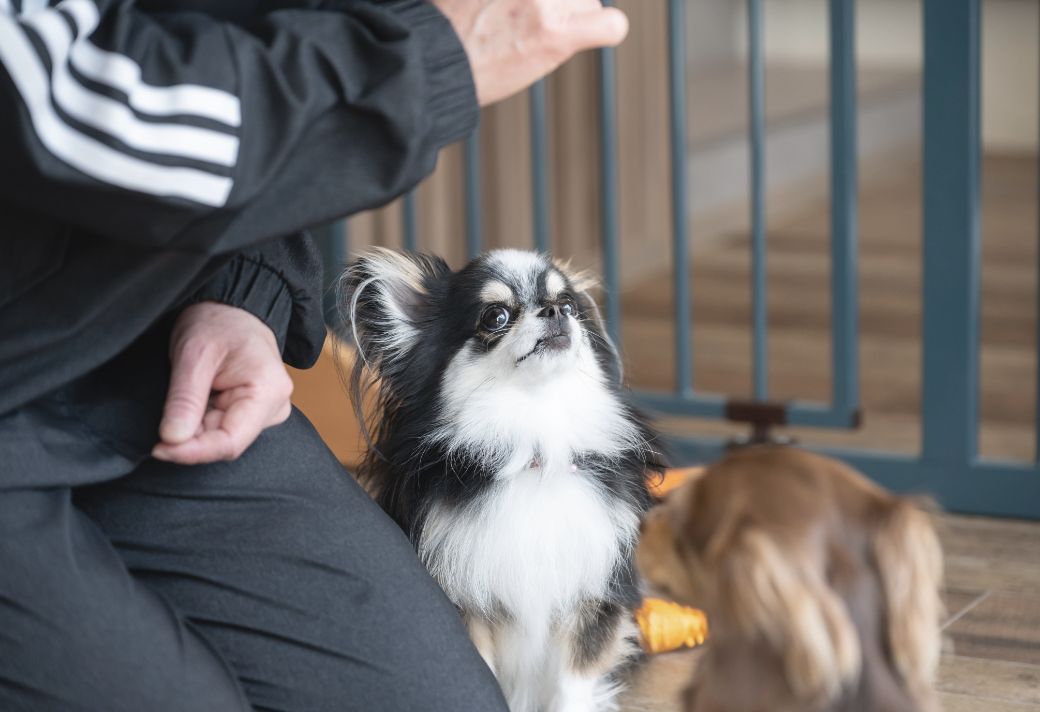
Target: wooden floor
{"points": [[890, 312], [992, 662]]}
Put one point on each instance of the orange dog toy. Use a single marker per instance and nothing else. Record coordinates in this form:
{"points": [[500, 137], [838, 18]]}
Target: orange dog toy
{"points": [[667, 626]]}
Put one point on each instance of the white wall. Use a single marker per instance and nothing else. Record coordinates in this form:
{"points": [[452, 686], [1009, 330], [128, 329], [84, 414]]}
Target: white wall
{"points": [[708, 37], [889, 33], [1009, 74]]}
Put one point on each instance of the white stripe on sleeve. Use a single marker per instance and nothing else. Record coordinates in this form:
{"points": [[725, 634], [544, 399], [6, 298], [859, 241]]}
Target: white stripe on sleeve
{"points": [[113, 117], [84, 153], [124, 74], [32, 6]]}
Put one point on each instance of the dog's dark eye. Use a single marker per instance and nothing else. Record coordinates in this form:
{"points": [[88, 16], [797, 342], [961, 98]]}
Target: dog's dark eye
{"points": [[495, 318], [567, 307]]}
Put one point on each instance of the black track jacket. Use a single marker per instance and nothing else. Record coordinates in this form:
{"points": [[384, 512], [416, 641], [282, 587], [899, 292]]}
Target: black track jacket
{"points": [[157, 152]]}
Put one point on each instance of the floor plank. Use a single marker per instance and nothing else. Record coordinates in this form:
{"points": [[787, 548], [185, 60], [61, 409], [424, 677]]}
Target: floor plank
{"points": [[960, 600], [969, 703], [990, 679], [1004, 626]]}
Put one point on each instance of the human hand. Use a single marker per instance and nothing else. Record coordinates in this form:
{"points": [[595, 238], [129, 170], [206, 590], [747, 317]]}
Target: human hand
{"points": [[511, 44], [227, 384]]}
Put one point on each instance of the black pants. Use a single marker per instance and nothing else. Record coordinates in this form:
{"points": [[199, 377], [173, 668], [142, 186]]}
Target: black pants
{"points": [[268, 583]]}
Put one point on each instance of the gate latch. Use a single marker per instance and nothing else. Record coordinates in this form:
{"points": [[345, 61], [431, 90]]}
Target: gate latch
{"points": [[763, 416]]}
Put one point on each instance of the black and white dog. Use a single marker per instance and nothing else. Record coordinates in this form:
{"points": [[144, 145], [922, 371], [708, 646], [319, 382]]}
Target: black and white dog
{"points": [[505, 447]]}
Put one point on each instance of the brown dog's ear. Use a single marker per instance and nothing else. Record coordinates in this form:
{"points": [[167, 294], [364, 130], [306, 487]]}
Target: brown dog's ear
{"points": [[783, 597], [658, 557], [910, 565]]}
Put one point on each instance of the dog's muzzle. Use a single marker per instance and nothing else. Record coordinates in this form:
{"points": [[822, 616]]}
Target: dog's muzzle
{"points": [[557, 336]]}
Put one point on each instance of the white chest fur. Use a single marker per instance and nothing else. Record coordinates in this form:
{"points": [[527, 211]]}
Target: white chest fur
{"points": [[524, 558], [542, 538], [541, 542]]}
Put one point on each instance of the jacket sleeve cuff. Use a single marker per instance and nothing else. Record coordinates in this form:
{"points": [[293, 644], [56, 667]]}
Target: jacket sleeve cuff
{"points": [[452, 96], [252, 285]]}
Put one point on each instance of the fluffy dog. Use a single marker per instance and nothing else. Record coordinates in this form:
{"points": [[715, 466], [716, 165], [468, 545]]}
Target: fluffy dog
{"points": [[506, 449], [822, 589]]}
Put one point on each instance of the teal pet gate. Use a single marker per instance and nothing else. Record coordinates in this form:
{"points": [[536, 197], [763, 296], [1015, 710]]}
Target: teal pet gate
{"points": [[948, 464]]}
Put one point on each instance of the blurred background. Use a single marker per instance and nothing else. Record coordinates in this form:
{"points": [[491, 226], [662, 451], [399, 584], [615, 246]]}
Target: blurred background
{"points": [[506, 209]]}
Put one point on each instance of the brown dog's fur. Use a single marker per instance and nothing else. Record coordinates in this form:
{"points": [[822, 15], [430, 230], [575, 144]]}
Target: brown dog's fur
{"points": [[821, 588]]}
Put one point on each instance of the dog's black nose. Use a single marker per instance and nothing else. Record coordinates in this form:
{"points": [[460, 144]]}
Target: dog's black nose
{"points": [[551, 312], [557, 329]]}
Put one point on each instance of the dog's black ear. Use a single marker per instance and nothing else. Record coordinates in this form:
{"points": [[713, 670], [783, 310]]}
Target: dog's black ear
{"points": [[384, 296], [583, 284]]}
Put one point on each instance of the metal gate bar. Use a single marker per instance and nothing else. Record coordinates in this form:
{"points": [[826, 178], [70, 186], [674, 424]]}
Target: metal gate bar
{"points": [[334, 240], [757, 130], [471, 179], [948, 465], [608, 195], [843, 411], [680, 240], [951, 254], [844, 210], [411, 228], [539, 175]]}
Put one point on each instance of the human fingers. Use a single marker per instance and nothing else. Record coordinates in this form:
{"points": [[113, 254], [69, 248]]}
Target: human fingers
{"points": [[601, 27], [274, 385], [226, 433], [238, 417], [195, 364], [208, 446]]}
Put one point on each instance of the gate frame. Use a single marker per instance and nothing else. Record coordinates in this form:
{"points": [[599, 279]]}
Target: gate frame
{"points": [[948, 465]]}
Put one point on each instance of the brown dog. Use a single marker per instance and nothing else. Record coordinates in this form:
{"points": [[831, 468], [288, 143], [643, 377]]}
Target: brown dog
{"points": [[821, 589]]}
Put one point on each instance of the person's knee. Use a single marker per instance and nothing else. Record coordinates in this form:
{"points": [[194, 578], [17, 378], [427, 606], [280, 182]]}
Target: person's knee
{"points": [[404, 675], [314, 596], [457, 682], [79, 633], [376, 607]]}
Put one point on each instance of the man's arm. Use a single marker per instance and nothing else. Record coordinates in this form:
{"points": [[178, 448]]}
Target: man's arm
{"points": [[176, 129], [227, 383], [280, 284], [228, 346]]}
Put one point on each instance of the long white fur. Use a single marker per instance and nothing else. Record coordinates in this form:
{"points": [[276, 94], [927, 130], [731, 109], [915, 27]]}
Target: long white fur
{"points": [[392, 272], [541, 543], [577, 694], [544, 539]]}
